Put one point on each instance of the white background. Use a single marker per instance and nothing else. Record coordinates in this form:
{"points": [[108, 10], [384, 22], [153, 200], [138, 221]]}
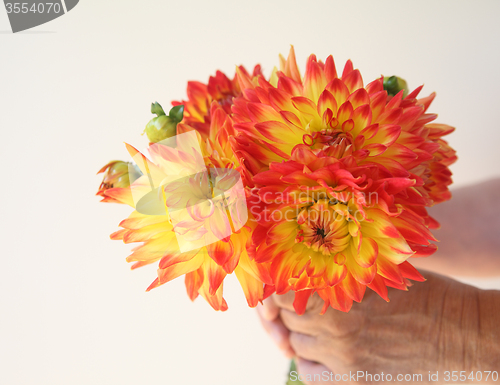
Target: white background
{"points": [[73, 90]]}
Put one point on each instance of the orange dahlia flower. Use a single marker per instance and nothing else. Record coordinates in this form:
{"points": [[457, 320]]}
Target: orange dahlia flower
{"points": [[220, 89], [342, 174]]}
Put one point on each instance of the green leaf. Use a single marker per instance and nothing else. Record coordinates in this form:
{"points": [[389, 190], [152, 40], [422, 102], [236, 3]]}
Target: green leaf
{"points": [[177, 113], [293, 368], [157, 109]]}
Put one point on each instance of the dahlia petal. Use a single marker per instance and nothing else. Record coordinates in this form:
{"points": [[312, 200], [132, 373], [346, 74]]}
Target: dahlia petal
{"points": [[379, 287], [316, 267], [214, 274], [424, 119], [281, 231], [358, 98], [299, 178], [216, 301], [409, 117], [330, 70], [153, 284], [413, 231], [337, 298], [137, 220], [265, 252], [244, 79], [221, 252], [282, 267], [304, 154], [291, 118], [367, 254], [262, 112], [147, 232], [280, 100], [259, 271], [362, 117], [339, 91], [352, 288], [219, 224], [156, 248], [375, 149], [278, 132], [289, 67], [348, 68], [385, 134], [390, 116], [334, 273], [120, 194], [426, 102], [362, 275], [377, 104], [145, 165], [178, 269], [395, 285], [300, 301], [345, 112], [118, 235], [326, 101], [380, 225], [170, 259], [423, 251], [396, 250], [314, 79], [261, 93], [304, 105], [289, 85], [395, 101], [438, 130], [353, 80], [253, 288], [388, 270], [375, 86], [414, 93], [193, 282]]}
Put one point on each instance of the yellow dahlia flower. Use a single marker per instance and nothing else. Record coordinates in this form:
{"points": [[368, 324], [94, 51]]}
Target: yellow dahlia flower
{"points": [[192, 220]]}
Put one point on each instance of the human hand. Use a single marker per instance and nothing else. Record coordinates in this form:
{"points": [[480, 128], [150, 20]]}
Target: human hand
{"points": [[269, 315], [433, 327]]}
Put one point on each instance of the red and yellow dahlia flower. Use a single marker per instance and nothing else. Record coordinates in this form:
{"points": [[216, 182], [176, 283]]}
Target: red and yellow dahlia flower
{"points": [[341, 174]]}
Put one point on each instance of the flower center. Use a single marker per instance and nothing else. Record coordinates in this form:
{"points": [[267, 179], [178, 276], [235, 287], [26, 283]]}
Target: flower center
{"points": [[322, 228], [320, 232]]}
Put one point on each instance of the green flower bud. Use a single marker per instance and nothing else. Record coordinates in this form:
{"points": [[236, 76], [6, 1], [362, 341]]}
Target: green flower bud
{"points": [[118, 174], [163, 126], [393, 85]]}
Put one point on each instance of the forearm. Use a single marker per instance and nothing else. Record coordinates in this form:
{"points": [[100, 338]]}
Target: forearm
{"points": [[469, 240]]}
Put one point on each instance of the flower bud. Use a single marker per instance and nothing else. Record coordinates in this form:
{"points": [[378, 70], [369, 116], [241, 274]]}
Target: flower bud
{"points": [[160, 128], [163, 126], [393, 85], [117, 174]]}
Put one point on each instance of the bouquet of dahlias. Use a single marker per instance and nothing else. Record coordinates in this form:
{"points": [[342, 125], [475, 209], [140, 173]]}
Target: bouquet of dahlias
{"points": [[314, 184]]}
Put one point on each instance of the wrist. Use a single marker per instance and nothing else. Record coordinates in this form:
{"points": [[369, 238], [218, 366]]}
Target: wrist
{"points": [[469, 332], [488, 352]]}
